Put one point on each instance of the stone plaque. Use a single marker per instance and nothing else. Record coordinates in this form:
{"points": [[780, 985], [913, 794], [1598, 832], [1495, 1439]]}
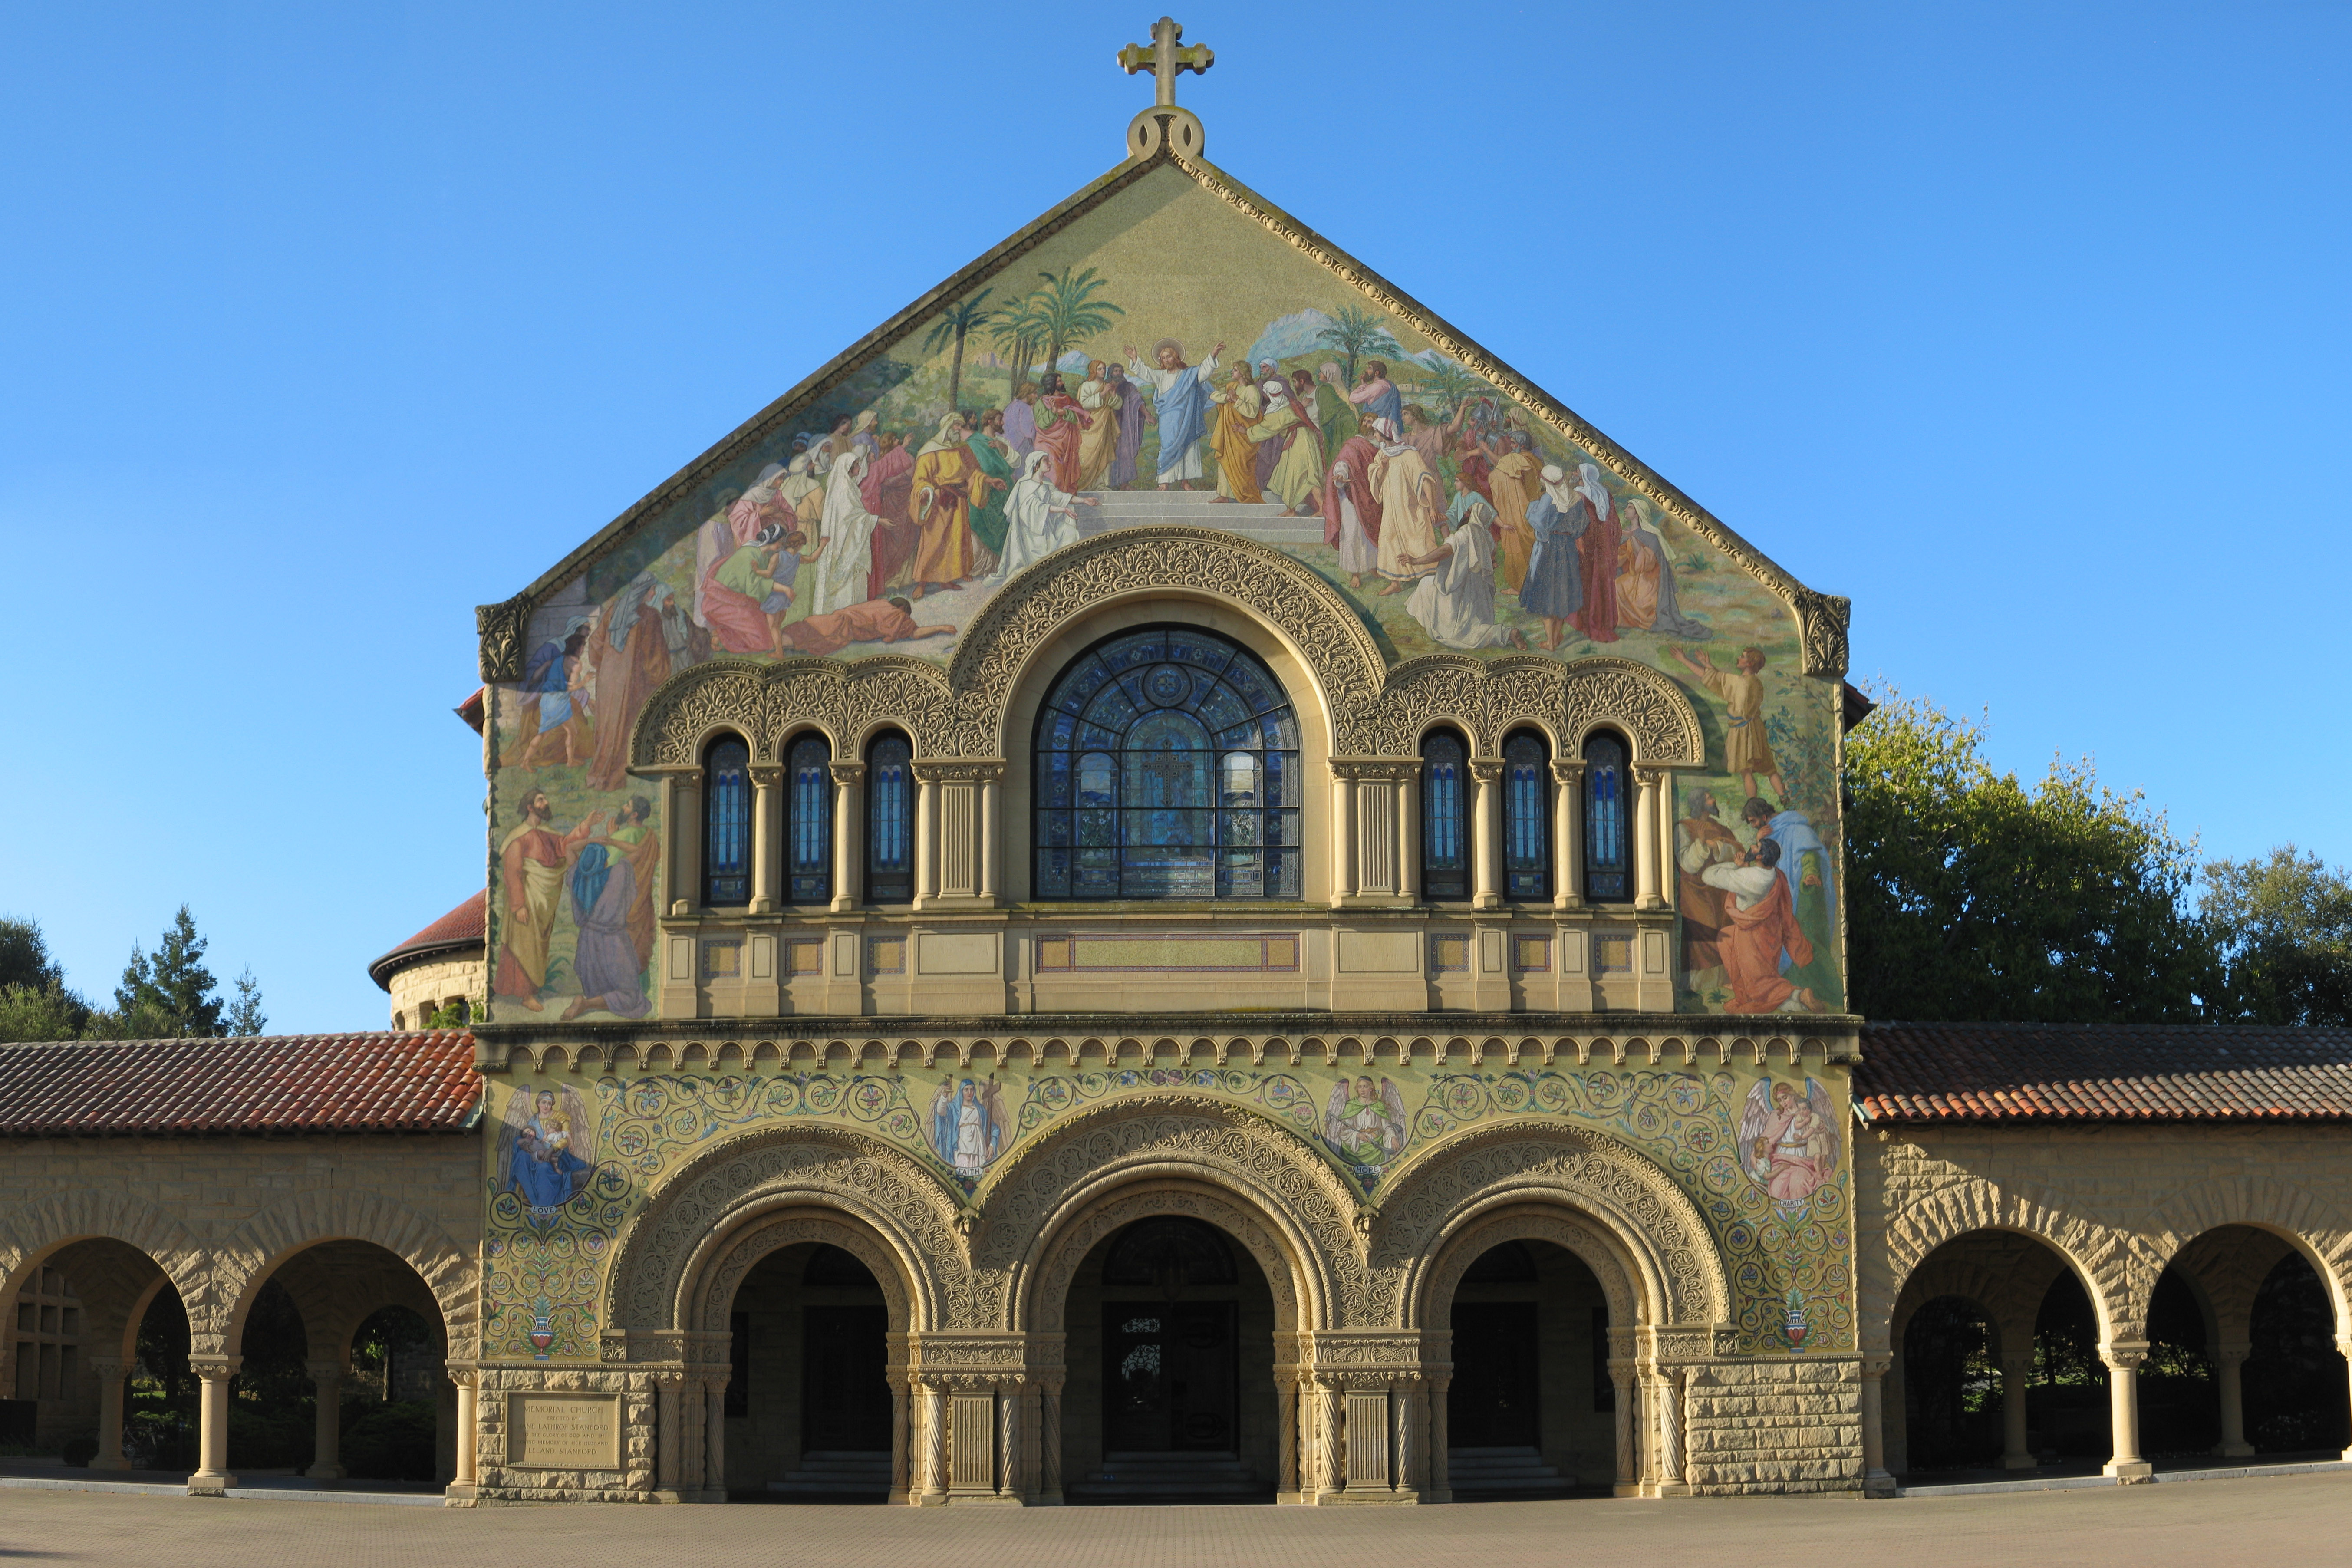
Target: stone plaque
{"points": [[565, 1431]]}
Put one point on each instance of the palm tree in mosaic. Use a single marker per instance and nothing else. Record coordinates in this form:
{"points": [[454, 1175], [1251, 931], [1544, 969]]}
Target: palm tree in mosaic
{"points": [[1070, 312], [1356, 331], [955, 323], [1019, 333], [1449, 383]]}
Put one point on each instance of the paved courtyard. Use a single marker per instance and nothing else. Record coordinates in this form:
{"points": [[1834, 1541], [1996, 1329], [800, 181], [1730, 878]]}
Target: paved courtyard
{"points": [[2296, 1518]]}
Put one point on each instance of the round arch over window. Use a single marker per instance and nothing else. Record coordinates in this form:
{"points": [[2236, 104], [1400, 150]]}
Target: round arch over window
{"points": [[1607, 821], [727, 822], [1167, 767]]}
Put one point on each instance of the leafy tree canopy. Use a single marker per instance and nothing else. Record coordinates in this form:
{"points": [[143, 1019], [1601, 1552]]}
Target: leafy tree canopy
{"points": [[168, 993], [2283, 924], [1974, 897]]}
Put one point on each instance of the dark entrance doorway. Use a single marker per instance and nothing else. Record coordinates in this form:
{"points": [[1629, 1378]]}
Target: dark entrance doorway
{"points": [[1169, 1382], [1492, 1401], [809, 1406], [845, 1399]]}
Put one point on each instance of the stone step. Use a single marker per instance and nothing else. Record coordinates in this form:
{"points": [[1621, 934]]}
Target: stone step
{"points": [[837, 1473], [1126, 1475], [1511, 1470], [1261, 521]]}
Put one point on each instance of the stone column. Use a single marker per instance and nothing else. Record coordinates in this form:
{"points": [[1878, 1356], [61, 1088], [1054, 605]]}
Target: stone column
{"points": [[1486, 849], [2016, 1372], [766, 861], [714, 1440], [900, 1412], [682, 821], [927, 827], [2343, 1349], [2228, 1364], [1332, 1435], [1403, 1450], [1049, 1442], [1647, 792], [1441, 1480], [935, 1445], [1666, 1395], [2124, 1361], [326, 1446], [1286, 1436], [1629, 1432], [1343, 834], [669, 1443], [108, 1374], [1566, 840], [212, 1477], [468, 1433], [1408, 811], [992, 833], [848, 836], [1875, 1481], [1008, 1439]]}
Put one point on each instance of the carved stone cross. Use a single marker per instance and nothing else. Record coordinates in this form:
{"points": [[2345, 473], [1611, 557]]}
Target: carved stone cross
{"points": [[1164, 57]]}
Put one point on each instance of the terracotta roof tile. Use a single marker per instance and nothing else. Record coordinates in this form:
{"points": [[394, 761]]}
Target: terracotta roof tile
{"points": [[463, 927], [272, 1083], [2102, 1072]]}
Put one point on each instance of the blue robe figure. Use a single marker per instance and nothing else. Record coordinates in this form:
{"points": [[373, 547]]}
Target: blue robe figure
{"points": [[542, 1167], [1554, 588]]}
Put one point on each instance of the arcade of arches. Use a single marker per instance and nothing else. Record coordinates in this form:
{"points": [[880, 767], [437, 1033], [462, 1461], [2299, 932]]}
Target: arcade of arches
{"points": [[1271, 929]]}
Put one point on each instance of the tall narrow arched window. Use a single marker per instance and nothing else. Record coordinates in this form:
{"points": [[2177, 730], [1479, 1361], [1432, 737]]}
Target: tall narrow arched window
{"points": [[890, 820], [1608, 822], [1444, 817], [727, 822], [808, 821], [1167, 768], [1527, 817]]}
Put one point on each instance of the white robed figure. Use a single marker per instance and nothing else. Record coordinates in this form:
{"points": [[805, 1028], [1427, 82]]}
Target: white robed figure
{"points": [[1455, 605], [845, 560], [1038, 518], [1180, 394]]}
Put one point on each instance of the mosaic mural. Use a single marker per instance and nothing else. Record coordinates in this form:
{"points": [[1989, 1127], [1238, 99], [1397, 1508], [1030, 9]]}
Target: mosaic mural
{"points": [[1162, 358], [1762, 1156]]}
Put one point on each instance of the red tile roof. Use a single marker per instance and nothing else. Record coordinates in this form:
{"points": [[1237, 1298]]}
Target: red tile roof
{"points": [[268, 1083], [2102, 1072], [460, 929]]}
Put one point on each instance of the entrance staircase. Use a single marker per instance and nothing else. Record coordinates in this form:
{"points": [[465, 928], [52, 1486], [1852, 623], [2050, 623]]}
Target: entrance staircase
{"points": [[837, 1476], [1261, 521], [1140, 1478], [1515, 1472]]}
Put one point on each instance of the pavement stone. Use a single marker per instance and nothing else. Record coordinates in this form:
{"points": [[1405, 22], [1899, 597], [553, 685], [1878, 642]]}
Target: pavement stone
{"points": [[2289, 1519]]}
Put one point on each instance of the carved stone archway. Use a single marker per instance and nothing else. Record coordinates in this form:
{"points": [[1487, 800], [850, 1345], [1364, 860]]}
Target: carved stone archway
{"points": [[2099, 1256], [252, 1255], [1242, 1173], [684, 1239], [1669, 1263]]}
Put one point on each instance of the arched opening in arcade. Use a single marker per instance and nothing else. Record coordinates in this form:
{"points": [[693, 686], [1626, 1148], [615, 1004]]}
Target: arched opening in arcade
{"points": [[2243, 1356], [342, 1373], [1170, 1393], [1531, 1410], [809, 1404], [98, 1368]]}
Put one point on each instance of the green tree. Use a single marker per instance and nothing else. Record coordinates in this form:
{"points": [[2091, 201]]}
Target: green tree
{"points": [[1354, 331], [2283, 924], [1450, 384], [172, 992], [954, 325], [1971, 897], [25, 958], [1069, 312], [34, 1003]]}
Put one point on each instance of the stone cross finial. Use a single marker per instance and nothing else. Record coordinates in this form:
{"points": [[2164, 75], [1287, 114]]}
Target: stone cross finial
{"points": [[1165, 57]]}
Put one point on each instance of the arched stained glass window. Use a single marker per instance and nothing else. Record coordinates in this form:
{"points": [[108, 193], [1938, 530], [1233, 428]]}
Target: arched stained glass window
{"points": [[1167, 768], [1527, 817], [727, 823], [1444, 817], [1608, 822], [890, 820], [808, 821]]}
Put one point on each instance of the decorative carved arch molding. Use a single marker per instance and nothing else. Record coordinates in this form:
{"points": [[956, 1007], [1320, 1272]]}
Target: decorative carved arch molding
{"points": [[719, 1268], [1592, 1245], [39, 1230], [1494, 697], [2099, 1256], [1172, 1154], [243, 1262], [2297, 1216], [1656, 1232], [963, 711], [768, 701], [693, 1228]]}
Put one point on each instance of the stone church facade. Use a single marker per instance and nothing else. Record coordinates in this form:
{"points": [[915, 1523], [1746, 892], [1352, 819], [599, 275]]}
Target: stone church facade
{"points": [[1262, 934]]}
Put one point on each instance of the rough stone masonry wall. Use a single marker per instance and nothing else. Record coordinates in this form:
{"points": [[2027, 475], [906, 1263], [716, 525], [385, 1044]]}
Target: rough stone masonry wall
{"points": [[2120, 1201], [218, 1213], [1775, 1425]]}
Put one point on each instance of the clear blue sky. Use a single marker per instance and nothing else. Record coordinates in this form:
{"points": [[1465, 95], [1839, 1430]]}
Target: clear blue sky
{"points": [[2026, 326]]}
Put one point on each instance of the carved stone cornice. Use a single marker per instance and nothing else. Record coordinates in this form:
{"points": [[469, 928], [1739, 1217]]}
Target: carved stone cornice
{"points": [[846, 773], [501, 628], [1822, 620], [1375, 770], [959, 770]]}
